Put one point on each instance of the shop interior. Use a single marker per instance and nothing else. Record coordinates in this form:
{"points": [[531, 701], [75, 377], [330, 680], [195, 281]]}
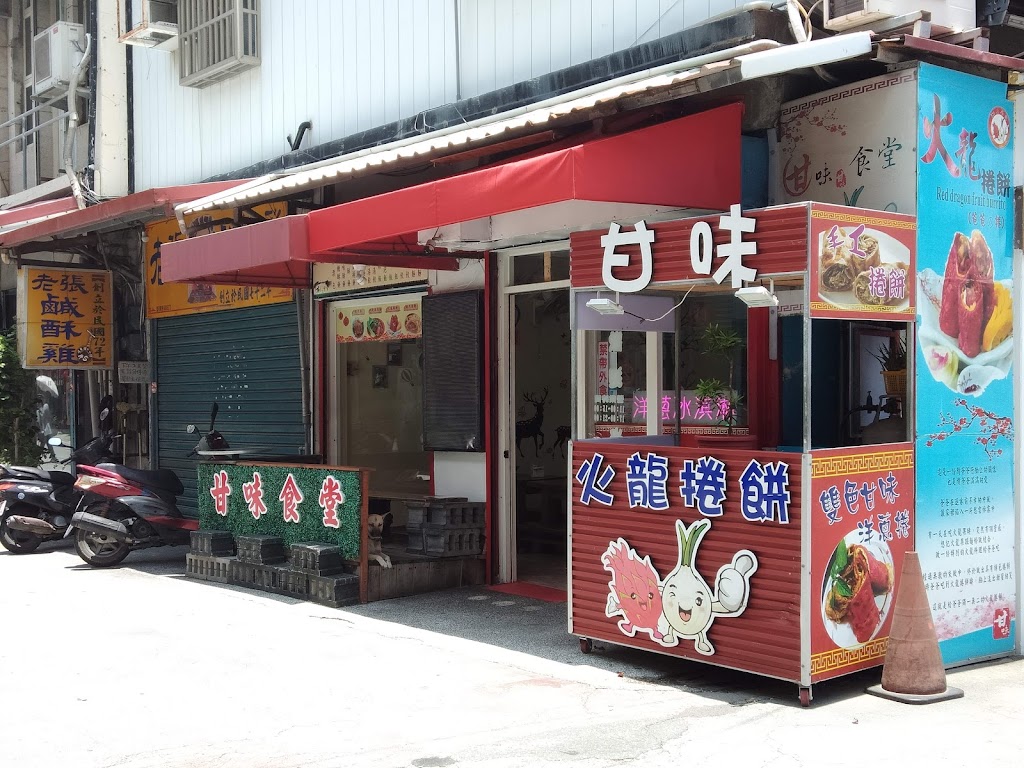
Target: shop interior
{"points": [[732, 376], [542, 380]]}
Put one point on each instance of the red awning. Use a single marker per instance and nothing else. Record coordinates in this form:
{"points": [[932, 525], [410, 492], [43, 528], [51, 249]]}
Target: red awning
{"points": [[156, 203], [691, 162], [12, 218]]}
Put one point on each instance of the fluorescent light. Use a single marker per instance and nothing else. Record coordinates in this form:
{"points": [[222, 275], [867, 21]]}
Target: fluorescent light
{"points": [[757, 296], [605, 306], [803, 55]]}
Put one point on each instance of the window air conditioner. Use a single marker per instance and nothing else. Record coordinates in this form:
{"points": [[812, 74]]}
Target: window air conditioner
{"points": [[848, 14], [158, 27], [55, 54]]}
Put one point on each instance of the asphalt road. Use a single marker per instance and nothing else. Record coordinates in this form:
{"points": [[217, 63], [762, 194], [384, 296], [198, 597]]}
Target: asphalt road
{"points": [[139, 667]]}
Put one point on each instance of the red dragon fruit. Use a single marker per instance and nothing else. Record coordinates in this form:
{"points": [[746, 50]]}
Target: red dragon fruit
{"points": [[634, 590]]}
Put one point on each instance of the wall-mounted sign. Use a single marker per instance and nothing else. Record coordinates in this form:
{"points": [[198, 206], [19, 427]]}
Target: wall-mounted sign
{"points": [[394, 320], [862, 264], [862, 524], [702, 252], [170, 299], [133, 372], [852, 145], [65, 318], [329, 279]]}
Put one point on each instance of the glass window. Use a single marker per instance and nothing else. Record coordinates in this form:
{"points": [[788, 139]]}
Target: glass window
{"points": [[713, 361], [540, 267]]}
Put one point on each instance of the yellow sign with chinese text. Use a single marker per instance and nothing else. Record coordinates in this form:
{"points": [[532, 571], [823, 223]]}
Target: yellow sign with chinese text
{"points": [[329, 279], [170, 299], [65, 318]]}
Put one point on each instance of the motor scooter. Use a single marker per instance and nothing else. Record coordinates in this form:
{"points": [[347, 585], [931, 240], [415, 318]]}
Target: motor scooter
{"points": [[36, 504], [124, 509]]}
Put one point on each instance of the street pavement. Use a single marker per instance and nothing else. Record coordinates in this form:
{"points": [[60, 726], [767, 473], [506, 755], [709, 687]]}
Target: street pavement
{"points": [[140, 667]]}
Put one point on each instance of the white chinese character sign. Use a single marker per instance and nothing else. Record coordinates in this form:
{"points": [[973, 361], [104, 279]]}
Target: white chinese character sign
{"points": [[299, 504], [65, 318]]}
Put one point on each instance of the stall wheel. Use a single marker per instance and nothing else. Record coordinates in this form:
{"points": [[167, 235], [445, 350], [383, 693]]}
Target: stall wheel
{"points": [[586, 645], [805, 697]]}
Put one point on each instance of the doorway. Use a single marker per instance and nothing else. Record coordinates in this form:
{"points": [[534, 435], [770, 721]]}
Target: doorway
{"points": [[536, 381]]}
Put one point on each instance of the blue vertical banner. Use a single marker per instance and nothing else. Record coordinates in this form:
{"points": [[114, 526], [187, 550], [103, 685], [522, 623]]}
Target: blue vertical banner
{"points": [[965, 514]]}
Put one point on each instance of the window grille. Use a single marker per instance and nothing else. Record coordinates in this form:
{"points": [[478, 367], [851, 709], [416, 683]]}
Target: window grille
{"points": [[217, 39]]}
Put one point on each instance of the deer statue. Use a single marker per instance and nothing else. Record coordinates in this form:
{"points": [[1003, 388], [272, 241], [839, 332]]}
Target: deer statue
{"points": [[531, 427]]}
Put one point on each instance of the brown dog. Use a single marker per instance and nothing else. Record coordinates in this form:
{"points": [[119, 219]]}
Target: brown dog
{"points": [[375, 531]]}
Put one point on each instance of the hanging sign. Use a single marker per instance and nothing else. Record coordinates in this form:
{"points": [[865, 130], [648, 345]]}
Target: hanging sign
{"points": [[862, 525], [330, 279], [171, 299], [391, 321], [65, 318], [862, 265]]}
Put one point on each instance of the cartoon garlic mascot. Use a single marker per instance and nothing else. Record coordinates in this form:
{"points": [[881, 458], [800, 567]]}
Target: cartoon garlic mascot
{"points": [[688, 603]]}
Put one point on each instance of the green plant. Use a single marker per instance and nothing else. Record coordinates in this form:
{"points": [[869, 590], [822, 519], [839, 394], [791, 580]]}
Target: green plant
{"points": [[18, 399], [717, 396], [892, 357]]}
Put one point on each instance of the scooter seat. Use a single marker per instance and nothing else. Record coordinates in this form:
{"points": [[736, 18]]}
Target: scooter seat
{"points": [[158, 479], [54, 476]]}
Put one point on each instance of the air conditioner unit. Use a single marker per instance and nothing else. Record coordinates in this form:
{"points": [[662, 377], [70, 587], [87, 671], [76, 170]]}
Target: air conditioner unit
{"points": [[158, 27], [849, 14], [55, 54]]}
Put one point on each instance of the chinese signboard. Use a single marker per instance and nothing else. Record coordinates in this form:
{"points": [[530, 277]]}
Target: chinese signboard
{"points": [[703, 251], [851, 146], [170, 299], [862, 265], [65, 318], [341, 278], [299, 504], [965, 520], [862, 524], [688, 551], [400, 318]]}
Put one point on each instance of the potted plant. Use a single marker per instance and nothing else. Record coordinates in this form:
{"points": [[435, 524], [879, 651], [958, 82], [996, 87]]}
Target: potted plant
{"points": [[892, 356], [717, 396]]}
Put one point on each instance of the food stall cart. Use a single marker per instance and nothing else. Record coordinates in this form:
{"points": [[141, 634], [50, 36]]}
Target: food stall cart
{"points": [[742, 477]]}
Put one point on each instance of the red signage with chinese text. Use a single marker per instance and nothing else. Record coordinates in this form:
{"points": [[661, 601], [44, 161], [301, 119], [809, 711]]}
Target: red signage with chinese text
{"points": [[862, 264], [691, 552], [862, 524]]}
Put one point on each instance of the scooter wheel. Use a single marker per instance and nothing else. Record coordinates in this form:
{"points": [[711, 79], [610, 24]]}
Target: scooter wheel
{"points": [[100, 550], [17, 542]]}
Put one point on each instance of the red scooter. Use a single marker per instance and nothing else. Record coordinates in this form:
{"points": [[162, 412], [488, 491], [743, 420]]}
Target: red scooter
{"points": [[124, 509]]}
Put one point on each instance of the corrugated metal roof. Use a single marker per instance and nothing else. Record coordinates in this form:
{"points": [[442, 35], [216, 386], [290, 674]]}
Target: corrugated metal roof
{"points": [[755, 59], [434, 144]]}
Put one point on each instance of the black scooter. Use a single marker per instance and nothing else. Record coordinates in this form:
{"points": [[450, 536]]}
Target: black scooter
{"points": [[36, 504]]}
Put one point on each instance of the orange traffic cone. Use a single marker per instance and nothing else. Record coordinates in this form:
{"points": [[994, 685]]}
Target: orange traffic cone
{"points": [[913, 671]]}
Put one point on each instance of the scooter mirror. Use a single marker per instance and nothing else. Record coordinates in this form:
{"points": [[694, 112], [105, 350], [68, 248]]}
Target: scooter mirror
{"points": [[213, 416], [54, 441], [104, 413], [191, 429]]}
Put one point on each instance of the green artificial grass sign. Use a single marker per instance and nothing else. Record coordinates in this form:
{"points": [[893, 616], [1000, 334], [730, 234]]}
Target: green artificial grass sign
{"points": [[299, 504]]}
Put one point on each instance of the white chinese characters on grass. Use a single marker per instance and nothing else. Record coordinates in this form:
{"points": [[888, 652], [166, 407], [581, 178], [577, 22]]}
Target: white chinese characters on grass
{"points": [[331, 497], [220, 491], [252, 492]]}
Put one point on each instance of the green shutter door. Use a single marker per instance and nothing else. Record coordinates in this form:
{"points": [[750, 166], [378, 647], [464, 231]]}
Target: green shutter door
{"points": [[246, 360]]}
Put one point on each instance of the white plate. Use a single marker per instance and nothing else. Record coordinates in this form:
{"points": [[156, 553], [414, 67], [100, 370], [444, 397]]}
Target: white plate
{"points": [[842, 633], [981, 369], [892, 251]]}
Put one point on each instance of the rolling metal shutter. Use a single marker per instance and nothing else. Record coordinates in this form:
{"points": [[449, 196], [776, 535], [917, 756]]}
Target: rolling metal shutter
{"points": [[247, 360]]}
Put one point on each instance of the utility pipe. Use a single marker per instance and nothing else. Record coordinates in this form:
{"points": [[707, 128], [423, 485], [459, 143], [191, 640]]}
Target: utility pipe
{"points": [[69, 138]]}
